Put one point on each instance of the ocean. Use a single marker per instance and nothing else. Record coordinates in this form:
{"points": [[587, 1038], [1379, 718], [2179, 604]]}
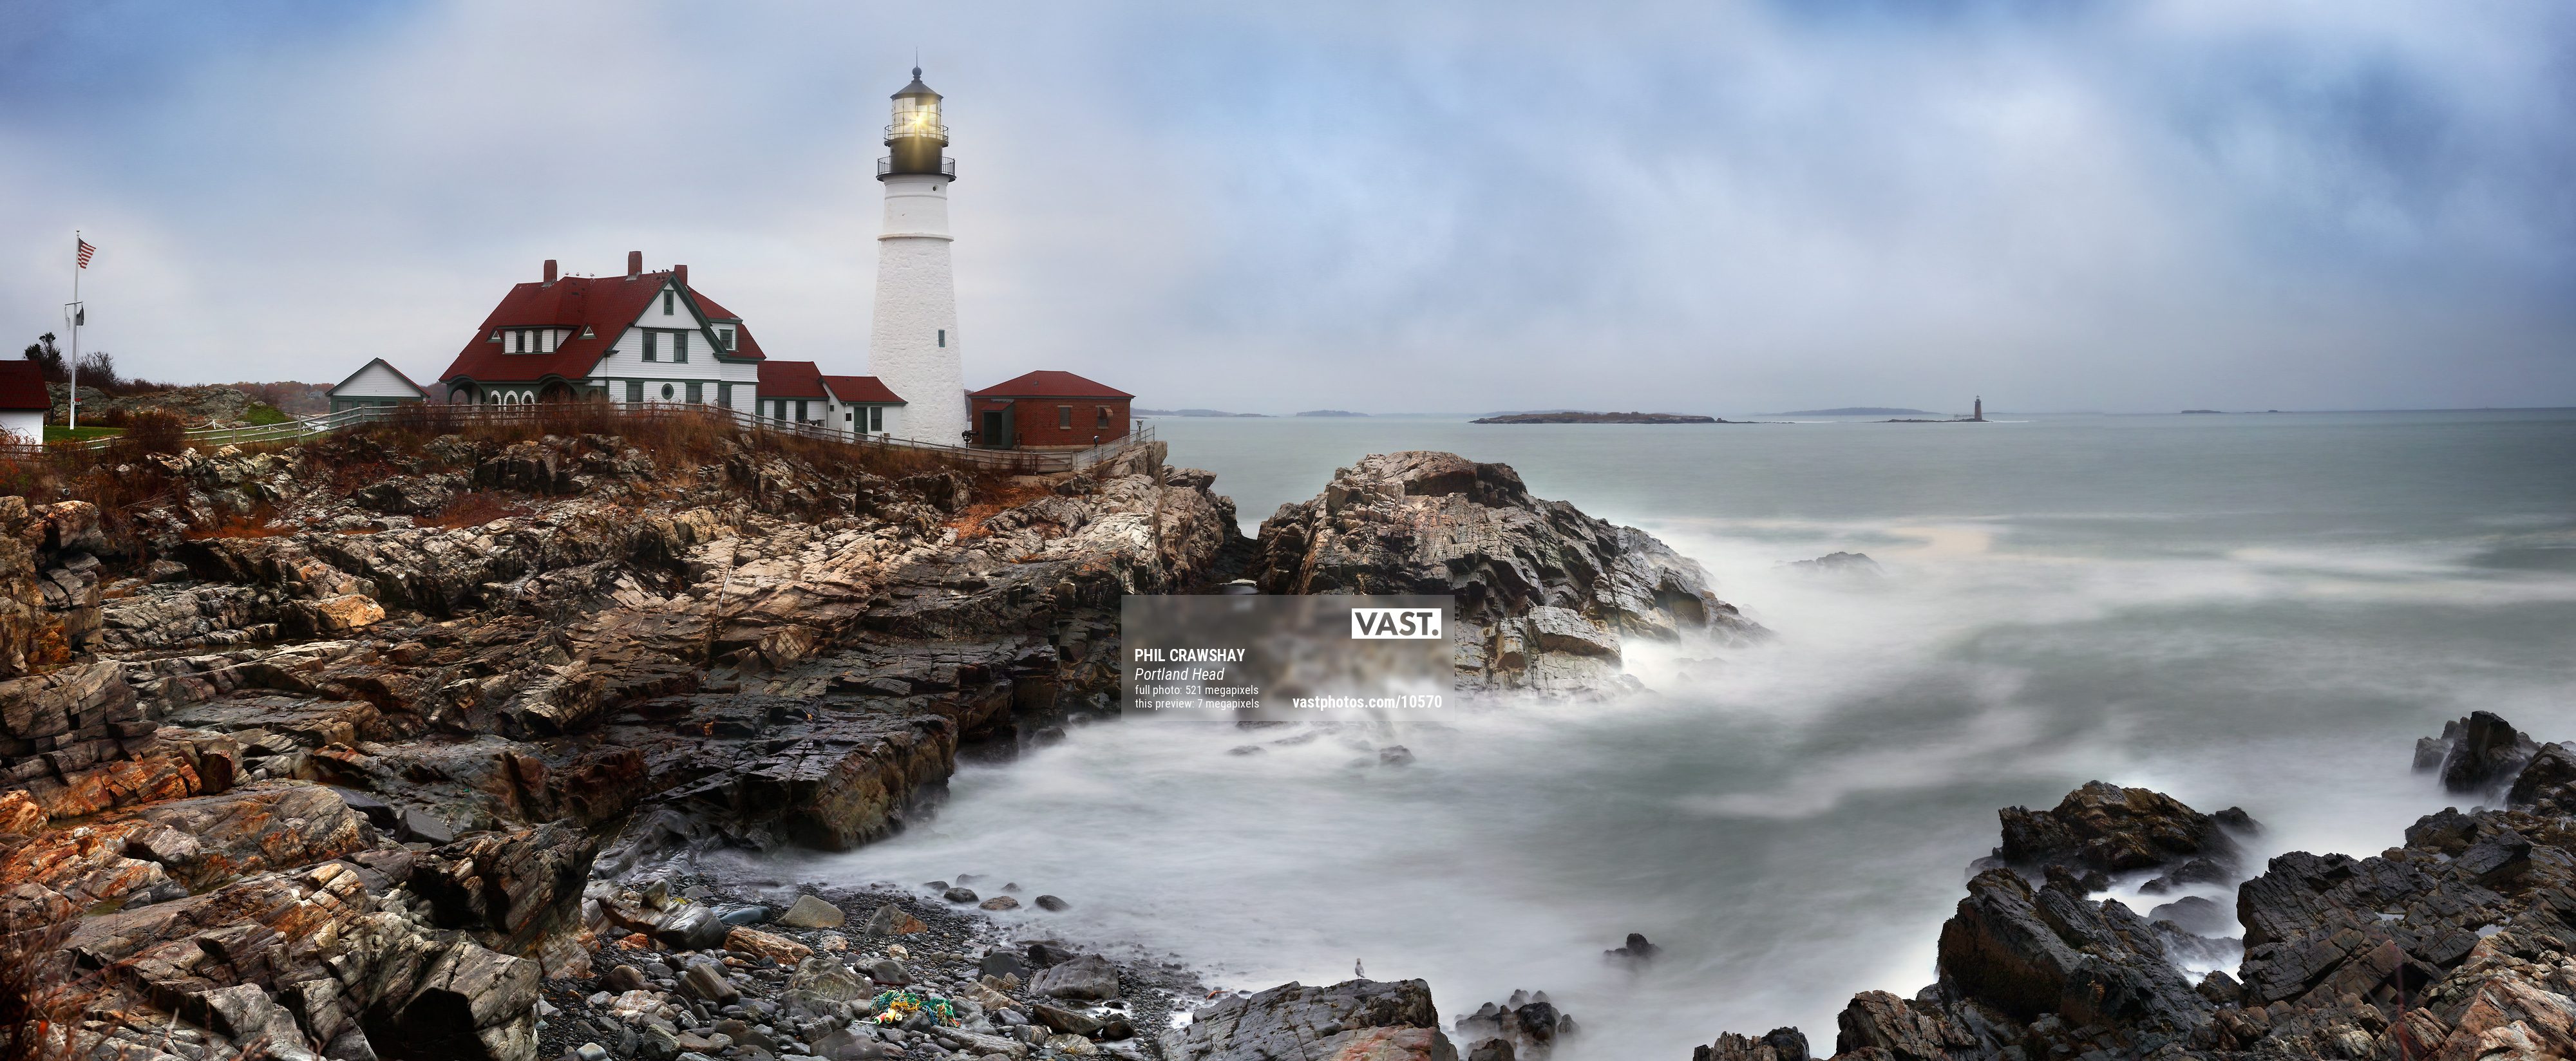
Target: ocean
{"points": [[2252, 610]]}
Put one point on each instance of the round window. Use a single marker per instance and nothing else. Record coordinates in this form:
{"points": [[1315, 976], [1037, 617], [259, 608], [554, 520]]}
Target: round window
{"points": [[666, 392]]}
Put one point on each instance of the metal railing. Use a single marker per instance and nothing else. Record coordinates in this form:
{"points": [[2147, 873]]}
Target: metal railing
{"points": [[947, 167], [445, 418]]}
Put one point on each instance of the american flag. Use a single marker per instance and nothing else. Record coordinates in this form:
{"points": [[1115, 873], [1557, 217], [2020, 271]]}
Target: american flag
{"points": [[85, 251]]}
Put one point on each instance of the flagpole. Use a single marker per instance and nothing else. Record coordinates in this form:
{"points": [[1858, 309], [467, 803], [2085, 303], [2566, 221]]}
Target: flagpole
{"points": [[74, 424]]}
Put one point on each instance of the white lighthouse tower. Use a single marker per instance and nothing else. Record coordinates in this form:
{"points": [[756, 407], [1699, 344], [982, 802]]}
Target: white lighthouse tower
{"points": [[912, 346]]}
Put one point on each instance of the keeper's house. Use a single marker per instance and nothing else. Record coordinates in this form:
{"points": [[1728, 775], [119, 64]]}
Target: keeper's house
{"points": [[378, 383], [1049, 410], [23, 403], [639, 338], [799, 392]]}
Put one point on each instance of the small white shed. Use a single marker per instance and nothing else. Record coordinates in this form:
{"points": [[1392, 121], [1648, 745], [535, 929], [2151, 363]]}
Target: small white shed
{"points": [[376, 383]]}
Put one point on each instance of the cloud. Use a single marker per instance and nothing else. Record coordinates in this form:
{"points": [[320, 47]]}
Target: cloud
{"points": [[1706, 207]]}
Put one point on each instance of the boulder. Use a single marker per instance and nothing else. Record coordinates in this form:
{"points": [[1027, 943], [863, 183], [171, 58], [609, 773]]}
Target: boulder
{"points": [[706, 982], [810, 912], [891, 920], [779, 949], [1089, 976], [1067, 1021], [693, 927]]}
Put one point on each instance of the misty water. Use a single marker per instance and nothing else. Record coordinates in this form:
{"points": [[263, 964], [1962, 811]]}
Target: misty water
{"points": [[2262, 611]]}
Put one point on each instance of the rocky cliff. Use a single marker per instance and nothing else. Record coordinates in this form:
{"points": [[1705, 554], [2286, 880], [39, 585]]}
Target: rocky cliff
{"points": [[2455, 945], [1547, 596], [315, 755]]}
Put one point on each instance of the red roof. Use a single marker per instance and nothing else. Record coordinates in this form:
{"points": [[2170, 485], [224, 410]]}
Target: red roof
{"points": [[1044, 384], [790, 379], [22, 386], [851, 389], [607, 305]]}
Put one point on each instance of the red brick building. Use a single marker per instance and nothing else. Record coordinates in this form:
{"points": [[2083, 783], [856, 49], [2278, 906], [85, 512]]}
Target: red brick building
{"points": [[1049, 410]]}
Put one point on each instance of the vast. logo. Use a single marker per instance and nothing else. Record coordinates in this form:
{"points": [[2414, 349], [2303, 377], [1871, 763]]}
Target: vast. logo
{"points": [[1385, 623]]}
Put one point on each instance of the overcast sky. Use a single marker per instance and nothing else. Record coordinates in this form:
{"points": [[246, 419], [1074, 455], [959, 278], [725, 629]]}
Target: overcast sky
{"points": [[1696, 207]]}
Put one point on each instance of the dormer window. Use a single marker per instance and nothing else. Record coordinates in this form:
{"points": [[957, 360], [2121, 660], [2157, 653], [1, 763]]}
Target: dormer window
{"points": [[724, 338]]}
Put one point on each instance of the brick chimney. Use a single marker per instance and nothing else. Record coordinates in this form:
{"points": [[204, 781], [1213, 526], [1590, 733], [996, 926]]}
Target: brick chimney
{"points": [[634, 264], [680, 273], [550, 270]]}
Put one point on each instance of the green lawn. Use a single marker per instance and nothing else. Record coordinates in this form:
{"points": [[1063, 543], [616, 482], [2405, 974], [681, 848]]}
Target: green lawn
{"points": [[56, 433]]}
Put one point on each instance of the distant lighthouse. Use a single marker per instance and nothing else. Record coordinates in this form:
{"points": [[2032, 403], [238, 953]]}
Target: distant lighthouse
{"points": [[912, 345]]}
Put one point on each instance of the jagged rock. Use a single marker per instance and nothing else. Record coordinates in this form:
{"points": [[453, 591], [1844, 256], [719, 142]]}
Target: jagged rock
{"points": [[1780, 1044], [1527, 1028], [2195, 915], [2547, 782], [1089, 976], [1380, 1021], [511, 889], [1436, 523], [2102, 826], [411, 994], [1636, 949], [2485, 752], [2030, 952]]}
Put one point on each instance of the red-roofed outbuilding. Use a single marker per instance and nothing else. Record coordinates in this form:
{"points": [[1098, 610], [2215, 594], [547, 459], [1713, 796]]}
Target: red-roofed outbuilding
{"points": [[799, 392], [1049, 410]]}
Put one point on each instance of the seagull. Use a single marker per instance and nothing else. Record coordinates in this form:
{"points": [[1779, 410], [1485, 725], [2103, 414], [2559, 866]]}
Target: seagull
{"points": [[1357, 970]]}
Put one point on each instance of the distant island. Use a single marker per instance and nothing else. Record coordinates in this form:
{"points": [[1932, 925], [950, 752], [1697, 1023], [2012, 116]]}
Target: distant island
{"points": [[2188, 412], [1329, 412], [1191, 412], [1856, 410], [1598, 418]]}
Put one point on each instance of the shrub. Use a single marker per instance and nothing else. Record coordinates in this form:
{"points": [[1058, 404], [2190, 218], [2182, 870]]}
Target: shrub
{"points": [[265, 415], [149, 432]]}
